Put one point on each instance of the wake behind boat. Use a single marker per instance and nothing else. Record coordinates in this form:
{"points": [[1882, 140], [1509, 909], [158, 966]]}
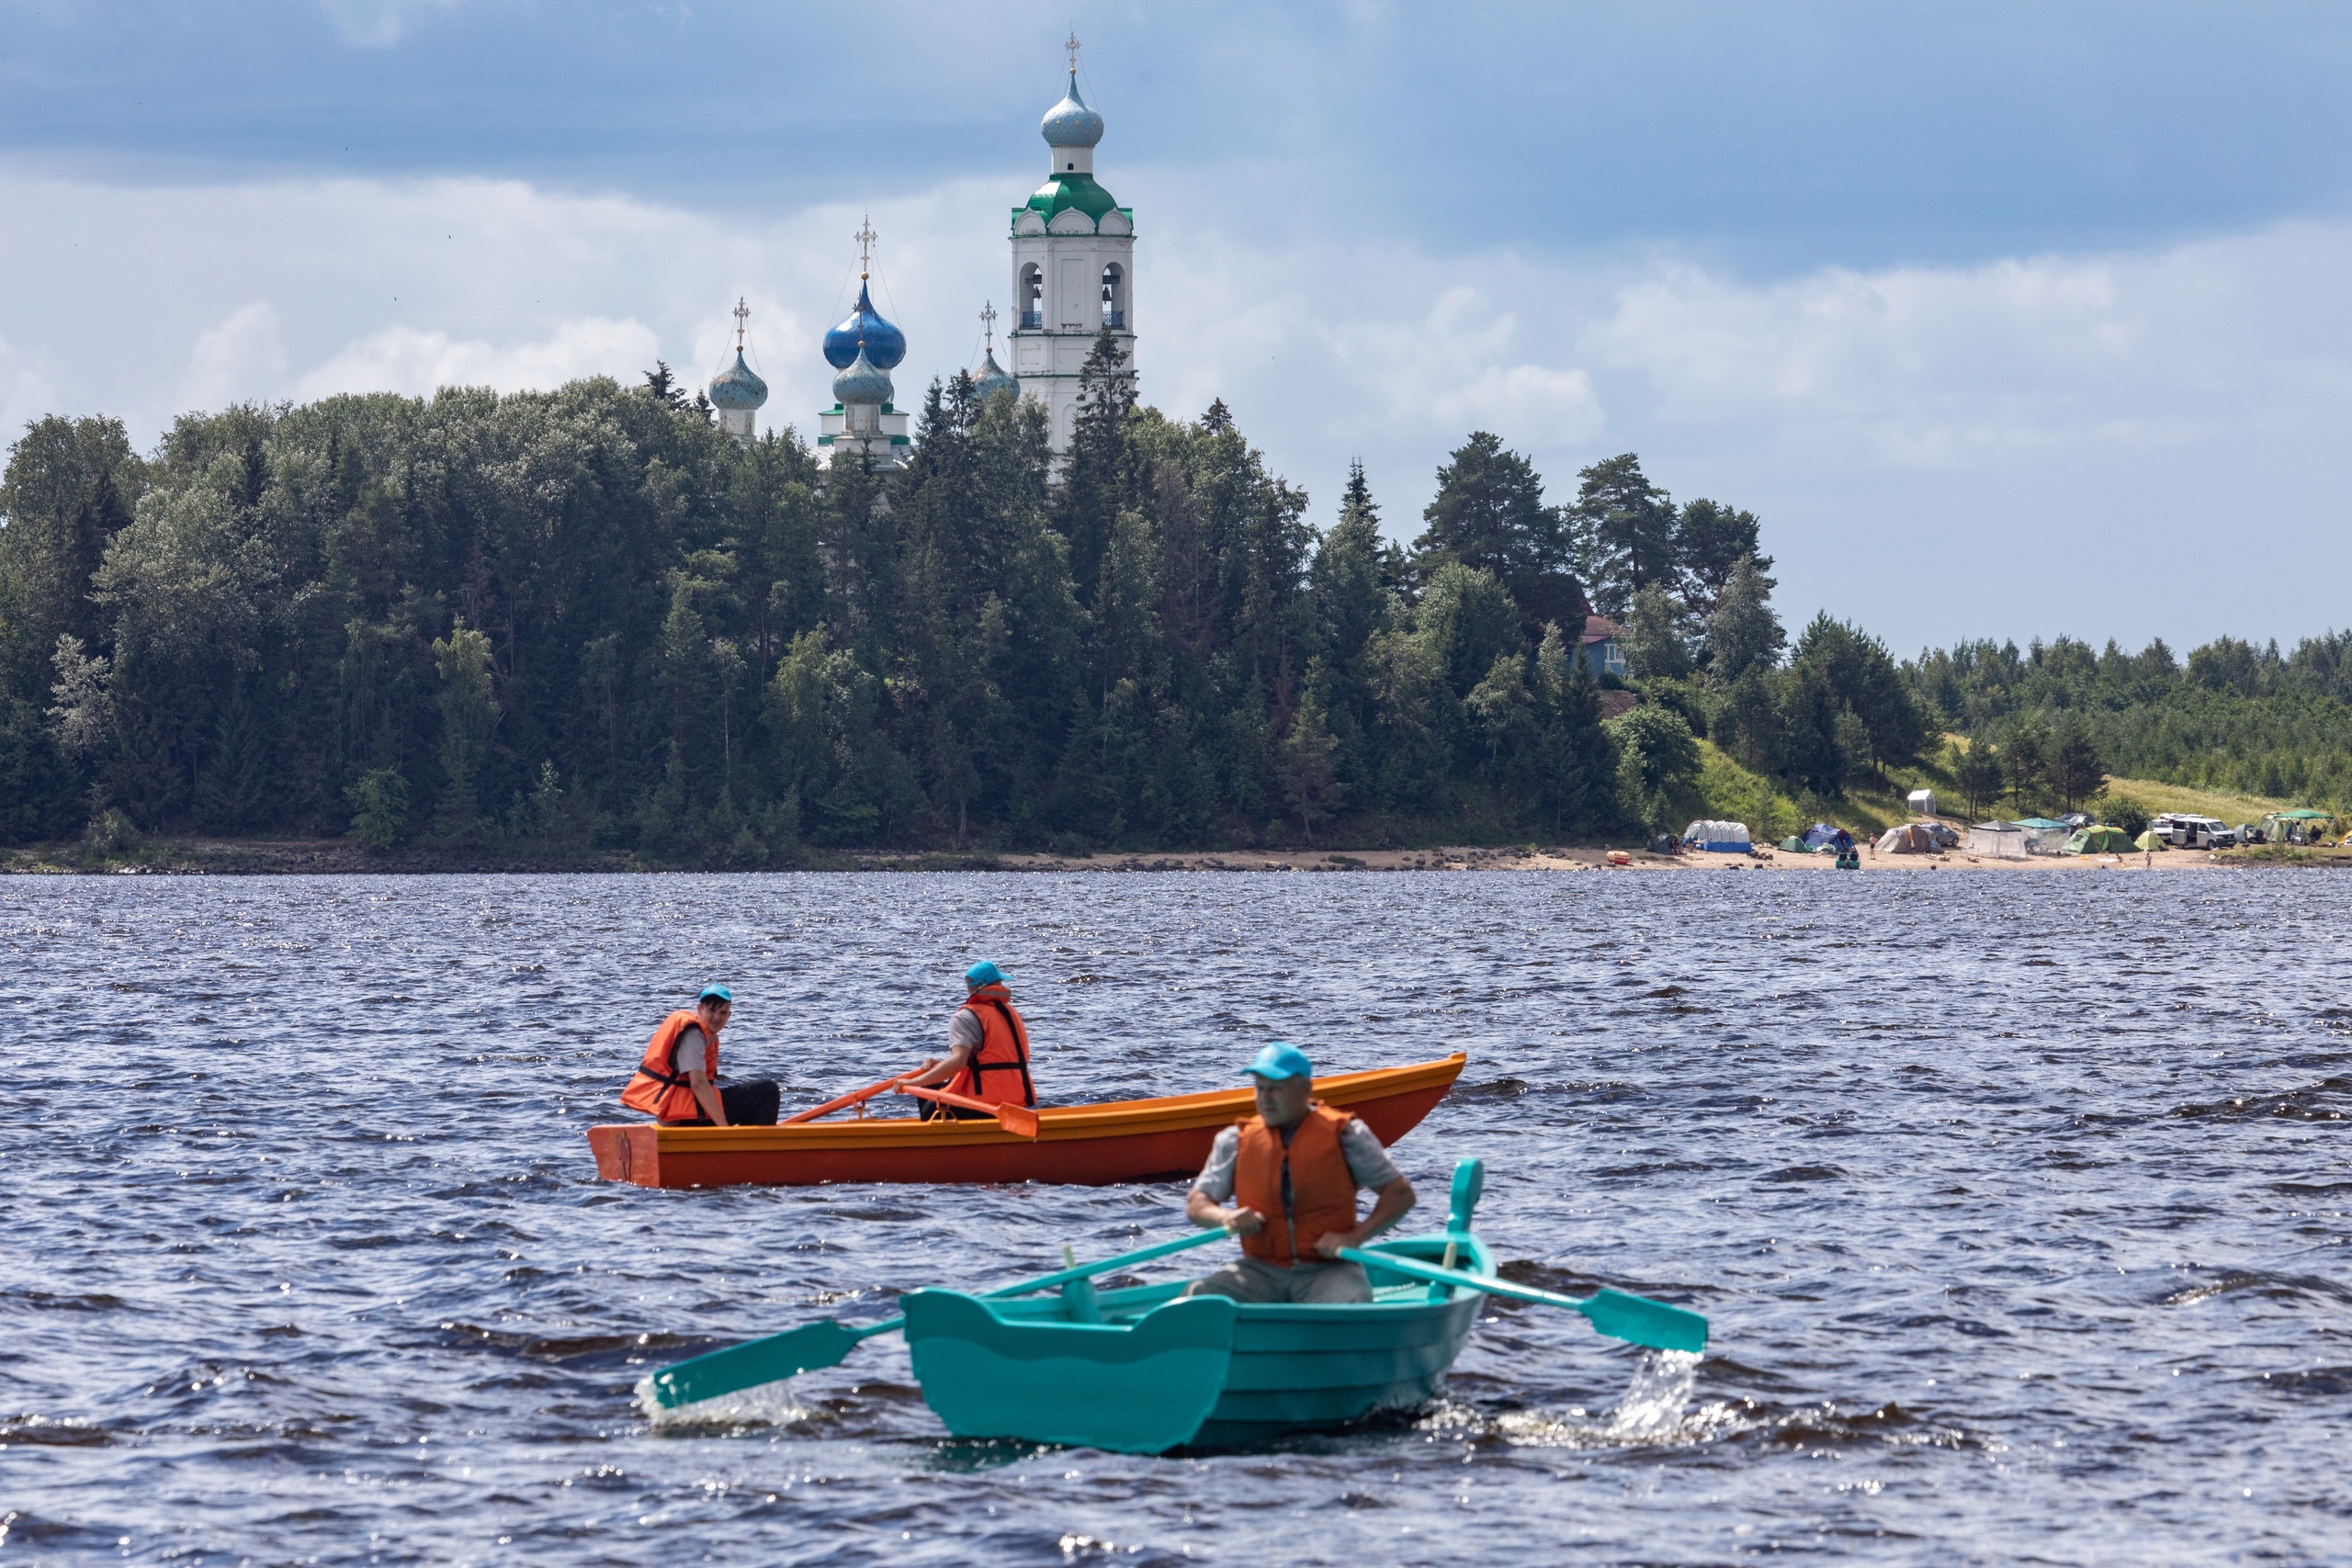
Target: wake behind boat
{"points": [[1089, 1146]]}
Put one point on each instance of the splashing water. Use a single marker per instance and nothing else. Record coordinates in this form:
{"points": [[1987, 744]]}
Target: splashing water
{"points": [[1652, 1406], [765, 1404]]}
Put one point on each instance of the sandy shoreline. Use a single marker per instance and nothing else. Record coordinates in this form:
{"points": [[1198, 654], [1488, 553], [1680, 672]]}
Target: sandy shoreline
{"points": [[336, 857]]}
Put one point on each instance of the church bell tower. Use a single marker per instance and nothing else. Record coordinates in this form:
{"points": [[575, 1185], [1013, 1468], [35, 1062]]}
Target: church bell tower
{"points": [[1073, 265]]}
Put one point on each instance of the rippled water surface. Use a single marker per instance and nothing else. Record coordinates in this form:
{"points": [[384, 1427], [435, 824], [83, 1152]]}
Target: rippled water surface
{"points": [[2017, 1203]]}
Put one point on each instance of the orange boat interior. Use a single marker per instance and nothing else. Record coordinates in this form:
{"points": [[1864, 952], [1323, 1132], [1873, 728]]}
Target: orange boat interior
{"points": [[1131, 1140]]}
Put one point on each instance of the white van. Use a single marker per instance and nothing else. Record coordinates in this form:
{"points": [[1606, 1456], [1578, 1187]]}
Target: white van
{"points": [[2183, 831]]}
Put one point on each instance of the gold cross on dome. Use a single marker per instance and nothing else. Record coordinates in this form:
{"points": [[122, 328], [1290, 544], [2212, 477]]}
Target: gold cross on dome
{"points": [[865, 236], [988, 324], [742, 313], [1072, 47]]}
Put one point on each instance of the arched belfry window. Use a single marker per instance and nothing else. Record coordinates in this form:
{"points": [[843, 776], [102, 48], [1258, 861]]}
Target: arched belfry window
{"points": [[1114, 299], [1031, 296]]}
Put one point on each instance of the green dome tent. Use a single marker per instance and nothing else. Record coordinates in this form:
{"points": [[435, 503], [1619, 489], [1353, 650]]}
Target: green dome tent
{"points": [[2150, 839], [1794, 845], [2099, 840]]}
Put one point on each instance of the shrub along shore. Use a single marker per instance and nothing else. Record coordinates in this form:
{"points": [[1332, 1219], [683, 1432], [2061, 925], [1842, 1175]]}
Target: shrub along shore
{"points": [[586, 630]]}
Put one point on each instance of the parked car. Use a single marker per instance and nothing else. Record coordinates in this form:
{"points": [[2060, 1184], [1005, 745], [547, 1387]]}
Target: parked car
{"points": [[1946, 838], [2184, 831]]}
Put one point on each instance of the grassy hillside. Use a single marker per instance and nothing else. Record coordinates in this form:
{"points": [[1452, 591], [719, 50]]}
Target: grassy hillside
{"points": [[1730, 790]]}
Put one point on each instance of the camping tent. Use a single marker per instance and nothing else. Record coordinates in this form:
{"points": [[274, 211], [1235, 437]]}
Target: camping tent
{"points": [[2150, 838], [1724, 838], [1997, 841], [2303, 826], [1922, 802], [1907, 838], [1794, 845], [2099, 840], [2046, 837], [1821, 835]]}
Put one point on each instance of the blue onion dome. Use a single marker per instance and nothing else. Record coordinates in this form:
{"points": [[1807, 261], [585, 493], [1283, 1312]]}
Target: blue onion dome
{"points": [[1070, 123], [884, 345], [861, 383], [736, 387], [991, 378]]}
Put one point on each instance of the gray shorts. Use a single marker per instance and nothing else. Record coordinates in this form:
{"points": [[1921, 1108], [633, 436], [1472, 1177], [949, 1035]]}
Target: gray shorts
{"points": [[1303, 1285]]}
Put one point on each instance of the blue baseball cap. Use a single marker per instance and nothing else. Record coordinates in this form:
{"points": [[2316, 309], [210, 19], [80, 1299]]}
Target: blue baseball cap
{"points": [[716, 993], [1281, 1061], [984, 973]]}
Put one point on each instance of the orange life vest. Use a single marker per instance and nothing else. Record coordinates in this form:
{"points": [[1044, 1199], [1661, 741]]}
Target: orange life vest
{"points": [[998, 1073], [657, 1088], [1322, 1188]]}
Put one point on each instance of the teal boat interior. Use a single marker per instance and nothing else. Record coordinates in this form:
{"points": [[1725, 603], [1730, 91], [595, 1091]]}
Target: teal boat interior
{"points": [[1148, 1370]]}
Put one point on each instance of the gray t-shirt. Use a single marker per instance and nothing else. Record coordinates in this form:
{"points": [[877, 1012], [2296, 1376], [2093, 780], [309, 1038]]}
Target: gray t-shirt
{"points": [[693, 1051], [1367, 1161], [964, 1029]]}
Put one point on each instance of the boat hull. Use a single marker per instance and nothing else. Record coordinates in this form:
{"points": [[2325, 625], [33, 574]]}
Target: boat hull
{"points": [[1170, 1372], [1093, 1146]]}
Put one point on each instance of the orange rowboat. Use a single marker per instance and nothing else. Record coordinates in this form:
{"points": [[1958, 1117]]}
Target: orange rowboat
{"points": [[1084, 1145]]}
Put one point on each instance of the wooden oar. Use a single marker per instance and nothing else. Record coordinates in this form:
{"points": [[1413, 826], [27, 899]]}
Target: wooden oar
{"points": [[1635, 1319], [855, 1097], [814, 1346], [1018, 1120]]}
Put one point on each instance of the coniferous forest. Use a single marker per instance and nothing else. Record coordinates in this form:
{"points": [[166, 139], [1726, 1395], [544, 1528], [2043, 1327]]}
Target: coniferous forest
{"points": [[587, 619]]}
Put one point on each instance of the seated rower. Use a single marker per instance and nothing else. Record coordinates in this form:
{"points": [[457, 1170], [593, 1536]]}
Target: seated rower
{"points": [[677, 1084], [1291, 1173], [987, 1049]]}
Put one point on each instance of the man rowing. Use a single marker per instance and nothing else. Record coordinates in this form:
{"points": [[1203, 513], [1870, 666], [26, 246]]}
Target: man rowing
{"points": [[677, 1081], [1291, 1174], [987, 1049]]}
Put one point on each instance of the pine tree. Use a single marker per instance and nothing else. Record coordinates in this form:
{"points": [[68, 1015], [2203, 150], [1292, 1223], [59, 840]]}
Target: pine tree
{"points": [[469, 714], [1626, 533], [1710, 541], [1489, 516], [1743, 633], [1095, 485]]}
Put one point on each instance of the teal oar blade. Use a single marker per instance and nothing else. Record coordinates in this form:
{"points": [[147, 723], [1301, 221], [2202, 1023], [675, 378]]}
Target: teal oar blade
{"points": [[809, 1348], [1635, 1319], [1643, 1321], [813, 1346]]}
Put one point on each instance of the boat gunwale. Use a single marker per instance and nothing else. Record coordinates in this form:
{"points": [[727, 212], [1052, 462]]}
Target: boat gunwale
{"points": [[1067, 1124]]}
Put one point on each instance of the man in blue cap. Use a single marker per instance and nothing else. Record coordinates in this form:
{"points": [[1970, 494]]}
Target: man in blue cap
{"points": [[1286, 1181], [988, 1048], [677, 1081]]}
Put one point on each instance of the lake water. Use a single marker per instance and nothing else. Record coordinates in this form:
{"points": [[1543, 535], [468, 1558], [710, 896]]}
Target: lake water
{"points": [[2017, 1204]]}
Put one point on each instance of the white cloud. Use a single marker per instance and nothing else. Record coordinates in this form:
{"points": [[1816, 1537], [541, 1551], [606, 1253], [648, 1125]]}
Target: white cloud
{"points": [[379, 24], [25, 392], [243, 359], [404, 359], [2095, 423]]}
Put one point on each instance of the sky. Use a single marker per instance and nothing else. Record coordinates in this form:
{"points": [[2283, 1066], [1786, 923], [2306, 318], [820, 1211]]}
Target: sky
{"points": [[2006, 320]]}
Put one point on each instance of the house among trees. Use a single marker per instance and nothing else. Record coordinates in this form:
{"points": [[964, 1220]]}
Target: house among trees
{"points": [[1604, 647]]}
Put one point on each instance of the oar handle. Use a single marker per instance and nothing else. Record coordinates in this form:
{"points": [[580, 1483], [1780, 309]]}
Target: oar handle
{"points": [[1088, 1271], [855, 1097], [1443, 1276], [1018, 1120]]}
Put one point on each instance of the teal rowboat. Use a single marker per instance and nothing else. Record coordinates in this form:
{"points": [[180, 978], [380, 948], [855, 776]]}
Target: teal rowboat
{"points": [[1147, 1368]]}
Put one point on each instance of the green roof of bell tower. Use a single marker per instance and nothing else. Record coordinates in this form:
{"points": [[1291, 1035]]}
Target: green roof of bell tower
{"points": [[1063, 191]]}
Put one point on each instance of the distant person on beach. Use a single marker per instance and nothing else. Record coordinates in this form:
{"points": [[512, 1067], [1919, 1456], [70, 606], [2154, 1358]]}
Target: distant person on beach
{"points": [[1291, 1174], [987, 1049], [677, 1082]]}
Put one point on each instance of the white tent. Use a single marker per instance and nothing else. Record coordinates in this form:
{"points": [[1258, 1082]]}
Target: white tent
{"points": [[1907, 839], [1997, 841], [1725, 838], [1922, 802]]}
